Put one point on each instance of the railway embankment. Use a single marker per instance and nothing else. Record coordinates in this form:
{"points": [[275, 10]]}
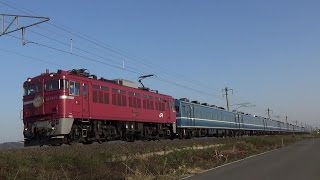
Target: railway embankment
{"points": [[163, 159]]}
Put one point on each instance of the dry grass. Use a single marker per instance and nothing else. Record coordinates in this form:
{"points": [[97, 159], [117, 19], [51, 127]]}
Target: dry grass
{"points": [[106, 161]]}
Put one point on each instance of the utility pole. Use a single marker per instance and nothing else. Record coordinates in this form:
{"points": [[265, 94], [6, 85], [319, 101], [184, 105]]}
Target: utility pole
{"points": [[225, 93], [295, 126], [268, 112], [287, 123]]}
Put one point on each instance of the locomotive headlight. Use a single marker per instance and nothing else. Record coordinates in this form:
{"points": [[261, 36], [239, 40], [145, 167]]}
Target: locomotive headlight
{"points": [[29, 79], [51, 75], [25, 129], [53, 128]]}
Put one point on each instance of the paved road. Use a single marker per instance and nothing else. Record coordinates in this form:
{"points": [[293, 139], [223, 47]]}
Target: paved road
{"points": [[300, 161]]}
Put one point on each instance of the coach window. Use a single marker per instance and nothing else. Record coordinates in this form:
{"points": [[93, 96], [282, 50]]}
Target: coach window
{"points": [[183, 110]]}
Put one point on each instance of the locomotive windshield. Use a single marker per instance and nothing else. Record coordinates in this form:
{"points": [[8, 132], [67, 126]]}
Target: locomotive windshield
{"points": [[30, 89], [55, 85]]}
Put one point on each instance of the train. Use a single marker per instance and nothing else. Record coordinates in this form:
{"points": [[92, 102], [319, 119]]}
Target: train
{"points": [[74, 106]]}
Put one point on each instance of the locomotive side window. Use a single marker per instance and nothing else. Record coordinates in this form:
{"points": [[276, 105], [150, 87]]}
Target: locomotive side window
{"points": [[106, 98], [74, 88], [134, 100], [104, 88], [77, 89], [96, 87], [99, 94], [147, 102], [160, 104], [95, 96], [118, 97], [101, 99]]}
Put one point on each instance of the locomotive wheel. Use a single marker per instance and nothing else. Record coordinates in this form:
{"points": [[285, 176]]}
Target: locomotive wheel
{"points": [[130, 138]]}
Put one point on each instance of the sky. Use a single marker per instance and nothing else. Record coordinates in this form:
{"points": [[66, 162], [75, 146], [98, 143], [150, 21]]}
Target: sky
{"points": [[267, 51]]}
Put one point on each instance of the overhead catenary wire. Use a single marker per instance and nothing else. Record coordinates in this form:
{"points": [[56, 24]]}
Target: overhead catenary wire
{"points": [[53, 48], [176, 75], [63, 51], [116, 51], [99, 44], [77, 55], [118, 67], [75, 47], [33, 58], [85, 51]]}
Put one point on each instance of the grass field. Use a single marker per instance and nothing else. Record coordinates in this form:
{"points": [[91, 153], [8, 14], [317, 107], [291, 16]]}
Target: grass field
{"points": [[163, 159]]}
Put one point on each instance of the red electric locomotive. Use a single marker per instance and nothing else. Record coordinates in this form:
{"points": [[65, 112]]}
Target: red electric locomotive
{"points": [[75, 106]]}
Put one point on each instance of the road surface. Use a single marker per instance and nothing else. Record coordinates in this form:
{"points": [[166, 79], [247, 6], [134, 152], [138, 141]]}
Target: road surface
{"points": [[300, 161]]}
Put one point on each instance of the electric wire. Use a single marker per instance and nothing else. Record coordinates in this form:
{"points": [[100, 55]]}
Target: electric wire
{"points": [[97, 43], [33, 58], [104, 46], [97, 61], [86, 58], [115, 50]]}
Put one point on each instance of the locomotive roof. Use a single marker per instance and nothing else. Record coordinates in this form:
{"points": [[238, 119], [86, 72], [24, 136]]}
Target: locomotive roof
{"points": [[84, 74]]}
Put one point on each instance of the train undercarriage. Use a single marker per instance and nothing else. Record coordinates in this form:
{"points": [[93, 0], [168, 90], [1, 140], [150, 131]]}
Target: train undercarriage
{"points": [[89, 131], [186, 133], [73, 131]]}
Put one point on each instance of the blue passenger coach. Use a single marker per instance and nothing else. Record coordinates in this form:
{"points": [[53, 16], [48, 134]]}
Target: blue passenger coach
{"points": [[195, 119]]}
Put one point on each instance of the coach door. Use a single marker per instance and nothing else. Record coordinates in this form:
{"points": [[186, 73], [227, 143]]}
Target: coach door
{"points": [[191, 121], [241, 124], [241, 121], [237, 121], [85, 100]]}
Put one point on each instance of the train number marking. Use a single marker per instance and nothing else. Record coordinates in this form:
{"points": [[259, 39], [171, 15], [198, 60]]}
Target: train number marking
{"points": [[161, 115]]}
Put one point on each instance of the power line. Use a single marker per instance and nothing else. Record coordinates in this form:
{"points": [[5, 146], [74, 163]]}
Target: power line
{"points": [[94, 60], [85, 51], [33, 58], [112, 49], [77, 55], [63, 43]]}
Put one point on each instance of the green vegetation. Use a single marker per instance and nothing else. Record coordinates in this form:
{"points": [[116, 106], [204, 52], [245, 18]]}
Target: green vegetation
{"points": [[163, 159]]}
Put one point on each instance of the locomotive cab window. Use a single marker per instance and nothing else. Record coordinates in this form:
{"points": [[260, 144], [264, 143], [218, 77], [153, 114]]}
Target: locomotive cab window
{"points": [[63, 84], [55, 85], [74, 88], [52, 85], [32, 89]]}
